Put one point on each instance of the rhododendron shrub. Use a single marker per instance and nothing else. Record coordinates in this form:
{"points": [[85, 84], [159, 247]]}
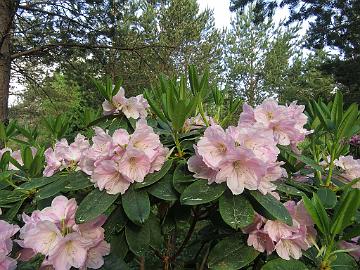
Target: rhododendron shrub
{"points": [[54, 233], [177, 178]]}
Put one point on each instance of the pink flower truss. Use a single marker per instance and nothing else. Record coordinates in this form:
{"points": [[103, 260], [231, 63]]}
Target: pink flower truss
{"points": [[285, 122], [287, 241], [6, 232], [133, 107], [54, 233], [245, 156], [114, 162], [350, 168], [65, 156]]}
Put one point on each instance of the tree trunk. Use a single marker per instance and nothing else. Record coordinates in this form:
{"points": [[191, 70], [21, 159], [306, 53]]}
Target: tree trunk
{"points": [[5, 57]]}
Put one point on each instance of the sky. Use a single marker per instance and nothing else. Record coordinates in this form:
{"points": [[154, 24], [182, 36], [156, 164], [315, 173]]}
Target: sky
{"points": [[223, 15]]}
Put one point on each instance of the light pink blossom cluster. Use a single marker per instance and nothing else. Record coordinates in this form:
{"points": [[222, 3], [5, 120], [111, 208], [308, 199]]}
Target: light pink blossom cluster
{"points": [[350, 168], [54, 233], [245, 156], [6, 232], [285, 122], [114, 162], [16, 155], [352, 246], [65, 156], [287, 241], [133, 107]]}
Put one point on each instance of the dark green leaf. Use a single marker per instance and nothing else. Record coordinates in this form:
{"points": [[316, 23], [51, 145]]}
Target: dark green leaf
{"points": [[236, 210], [344, 261], [289, 190], [7, 196], [94, 204], [119, 246], [164, 189], [346, 211], [138, 238], [182, 178], [327, 197], [52, 188], [231, 254], [269, 207], [280, 264], [136, 205], [115, 222], [76, 181], [39, 182], [201, 192], [11, 212], [113, 262]]}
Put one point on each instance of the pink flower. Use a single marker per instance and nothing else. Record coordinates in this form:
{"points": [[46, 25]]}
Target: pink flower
{"points": [[200, 169], [114, 162], [7, 263], [100, 150], [287, 248], [70, 251], [144, 139], [61, 212], [135, 165], [53, 162], [53, 232], [95, 255], [269, 112], [286, 122], [43, 237], [350, 167], [247, 117], [258, 140], [214, 146], [278, 230], [159, 160], [241, 169], [120, 140], [64, 155], [288, 241], [116, 104], [133, 107], [261, 242], [6, 232], [107, 176]]}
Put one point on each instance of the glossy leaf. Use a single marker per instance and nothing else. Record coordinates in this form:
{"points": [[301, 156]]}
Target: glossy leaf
{"points": [[236, 210], [7, 196], [136, 205], [327, 197], [280, 264], [164, 189], [201, 192], [269, 207], [138, 238], [231, 254], [94, 204]]}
